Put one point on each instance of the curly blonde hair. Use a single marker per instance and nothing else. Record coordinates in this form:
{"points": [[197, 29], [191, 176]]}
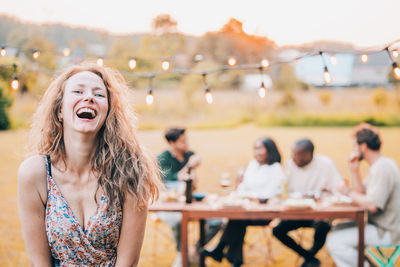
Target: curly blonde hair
{"points": [[123, 165]]}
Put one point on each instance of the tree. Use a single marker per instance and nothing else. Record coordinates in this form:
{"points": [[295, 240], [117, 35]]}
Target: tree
{"points": [[231, 40], [164, 24], [47, 51], [120, 51], [287, 79]]}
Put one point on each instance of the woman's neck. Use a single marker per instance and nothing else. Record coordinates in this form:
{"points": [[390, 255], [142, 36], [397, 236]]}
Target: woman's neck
{"points": [[79, 148]]}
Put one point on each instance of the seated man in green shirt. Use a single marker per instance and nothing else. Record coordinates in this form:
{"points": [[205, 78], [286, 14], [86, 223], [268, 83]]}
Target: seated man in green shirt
{"points": [[177, 159], [175, 163]]}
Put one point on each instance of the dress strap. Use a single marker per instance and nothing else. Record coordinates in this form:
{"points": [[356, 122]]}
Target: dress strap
{"points": [[48, 170], [48, 164]]}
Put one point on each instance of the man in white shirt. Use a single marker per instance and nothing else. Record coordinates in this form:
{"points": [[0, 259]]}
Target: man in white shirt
{"points": [[379, 193], [307, 174]]}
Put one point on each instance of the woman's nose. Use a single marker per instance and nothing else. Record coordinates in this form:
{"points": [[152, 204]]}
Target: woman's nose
{"points": [[88, 97]]}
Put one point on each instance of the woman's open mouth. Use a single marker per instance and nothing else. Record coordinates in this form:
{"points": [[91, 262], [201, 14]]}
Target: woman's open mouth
{"points": [[86, 113]]}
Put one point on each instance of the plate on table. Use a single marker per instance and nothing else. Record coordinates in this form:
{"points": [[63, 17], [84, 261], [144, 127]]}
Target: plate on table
{"points": [[299, 203], [341, 200]]}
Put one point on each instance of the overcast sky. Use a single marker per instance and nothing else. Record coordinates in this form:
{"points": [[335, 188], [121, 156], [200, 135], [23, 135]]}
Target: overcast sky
{"points": [[361, 22]]}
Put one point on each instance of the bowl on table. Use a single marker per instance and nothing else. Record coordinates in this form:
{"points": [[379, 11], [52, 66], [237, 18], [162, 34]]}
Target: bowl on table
{"points": [[199, 196], [262, 200]]}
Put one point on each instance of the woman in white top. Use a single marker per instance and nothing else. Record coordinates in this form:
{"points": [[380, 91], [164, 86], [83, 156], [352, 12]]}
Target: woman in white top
{"points": [[262, 180]]}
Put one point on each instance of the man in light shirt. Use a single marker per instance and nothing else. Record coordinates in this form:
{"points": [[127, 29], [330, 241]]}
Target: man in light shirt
{"points": [[379, 193], [307, 175]]}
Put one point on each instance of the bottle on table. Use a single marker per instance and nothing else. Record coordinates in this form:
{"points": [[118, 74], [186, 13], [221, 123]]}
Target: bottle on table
{"points": [[189, 187]]}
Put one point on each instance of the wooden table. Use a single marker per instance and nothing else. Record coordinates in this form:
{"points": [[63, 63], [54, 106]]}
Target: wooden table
{"points": [[201, 211]]}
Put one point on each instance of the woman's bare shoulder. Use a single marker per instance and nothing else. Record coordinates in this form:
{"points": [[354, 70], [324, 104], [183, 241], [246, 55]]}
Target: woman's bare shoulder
{"points": [[32, 173]]}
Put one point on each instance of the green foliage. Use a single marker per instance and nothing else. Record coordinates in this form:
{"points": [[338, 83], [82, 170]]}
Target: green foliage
{"points": [[380, 97], [288, 100], [326, 120], [325, 97], [121, 50], [5, 104], [287, 79], [47, 51]]}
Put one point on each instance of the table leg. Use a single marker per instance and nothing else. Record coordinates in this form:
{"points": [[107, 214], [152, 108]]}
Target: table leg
{"points": [[361, 230], [184, 239], [202, 240]]}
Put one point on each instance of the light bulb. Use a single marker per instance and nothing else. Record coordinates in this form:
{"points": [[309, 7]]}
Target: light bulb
{"points": [[261, 91], [395, 53], [198, 57], [327, 76], [364, 58], [396, 71], [232, 61], [333, 60], [265, 63], [15, 83], [132, 63], [165, 65], [100, 61], [66, 52], [35, 54], [3, 51], [149, 98], [208, 95]]}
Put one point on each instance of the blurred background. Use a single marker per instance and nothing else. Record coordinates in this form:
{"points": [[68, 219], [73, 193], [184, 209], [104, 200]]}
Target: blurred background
{"points": [[164, 47]]}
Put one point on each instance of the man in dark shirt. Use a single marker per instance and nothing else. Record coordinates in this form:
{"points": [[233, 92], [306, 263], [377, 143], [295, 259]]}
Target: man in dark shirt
{"points": [[177, 159], [176, 163]]}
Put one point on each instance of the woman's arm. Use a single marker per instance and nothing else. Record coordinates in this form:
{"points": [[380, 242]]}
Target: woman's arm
{"points": [[132, 234], [31, 205]]}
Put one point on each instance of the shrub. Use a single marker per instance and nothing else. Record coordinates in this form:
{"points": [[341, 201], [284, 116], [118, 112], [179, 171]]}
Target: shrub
{"points": [[325, 97], [380, 97], [5, 103]]}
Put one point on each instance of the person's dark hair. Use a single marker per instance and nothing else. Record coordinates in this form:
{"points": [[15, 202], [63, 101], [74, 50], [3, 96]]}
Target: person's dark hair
{"points": [[370, 138], [273, 154], [173, 134], [306, 144]]}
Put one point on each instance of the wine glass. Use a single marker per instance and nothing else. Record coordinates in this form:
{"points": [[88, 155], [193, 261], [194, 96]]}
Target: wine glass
{"points": [[225, 181]]}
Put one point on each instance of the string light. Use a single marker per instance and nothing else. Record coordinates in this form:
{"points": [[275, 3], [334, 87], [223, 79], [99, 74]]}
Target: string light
{"points": [[3, 51], [207, 90], [100, 61], [262, 91], [15, 83], [327, 76], [232, 62], [35, 54], [265, 63], [66, 52], [198, 57], [165, 65], [333, 60], [364, 58], [208, 95], [132, 63], [396, 71], [149, 97]]}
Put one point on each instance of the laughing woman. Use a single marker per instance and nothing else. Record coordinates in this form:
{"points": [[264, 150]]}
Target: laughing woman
{"points": [[84, 191]]}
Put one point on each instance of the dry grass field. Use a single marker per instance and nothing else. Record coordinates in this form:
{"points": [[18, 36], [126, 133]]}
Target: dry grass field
{"points": [[222, 150]]}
